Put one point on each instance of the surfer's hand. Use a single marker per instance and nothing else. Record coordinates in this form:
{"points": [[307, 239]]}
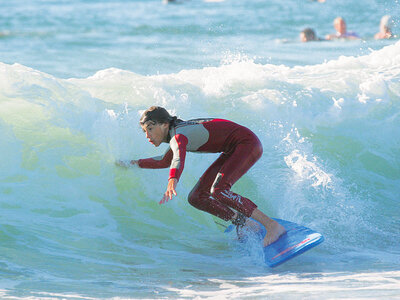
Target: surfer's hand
{"points": [[126, 163], [170, 190]]}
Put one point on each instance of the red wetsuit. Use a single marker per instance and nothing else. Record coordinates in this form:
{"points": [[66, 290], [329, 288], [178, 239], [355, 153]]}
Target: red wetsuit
{"points": [[240, 149]]}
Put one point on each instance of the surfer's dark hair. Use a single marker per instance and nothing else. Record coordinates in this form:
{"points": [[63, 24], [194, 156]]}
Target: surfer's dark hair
{"points": [[309, 33], [157, 114]]}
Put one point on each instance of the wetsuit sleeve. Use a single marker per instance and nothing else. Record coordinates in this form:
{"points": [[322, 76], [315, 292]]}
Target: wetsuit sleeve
{"points": [[178, 146], [158, 162]]}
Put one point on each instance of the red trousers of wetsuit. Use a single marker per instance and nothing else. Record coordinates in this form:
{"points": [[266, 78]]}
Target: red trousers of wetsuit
{"points": [[212, 192]]}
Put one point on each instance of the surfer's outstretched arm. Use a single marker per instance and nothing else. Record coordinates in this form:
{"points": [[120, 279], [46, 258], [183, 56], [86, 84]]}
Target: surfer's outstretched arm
{"points": [[157, 162]]}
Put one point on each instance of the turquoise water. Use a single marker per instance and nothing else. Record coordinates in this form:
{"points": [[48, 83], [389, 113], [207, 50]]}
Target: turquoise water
{"points": [[74, 77]]}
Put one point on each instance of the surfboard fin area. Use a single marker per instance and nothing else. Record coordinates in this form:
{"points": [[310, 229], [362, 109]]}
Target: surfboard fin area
{"points": [[294, 242]]}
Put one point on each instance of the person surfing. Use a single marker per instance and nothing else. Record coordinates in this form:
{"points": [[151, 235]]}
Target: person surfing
{"points": [[240, 148]]}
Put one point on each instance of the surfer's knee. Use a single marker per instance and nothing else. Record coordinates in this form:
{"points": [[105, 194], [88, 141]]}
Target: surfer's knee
{"points": [[257, 150], [194, 196]]}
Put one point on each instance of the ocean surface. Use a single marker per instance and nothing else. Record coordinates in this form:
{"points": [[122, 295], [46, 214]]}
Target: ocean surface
{"points": [[75, 76]]}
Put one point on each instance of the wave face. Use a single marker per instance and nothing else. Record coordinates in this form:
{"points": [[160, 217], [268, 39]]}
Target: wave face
{"points": [[74, 222]]}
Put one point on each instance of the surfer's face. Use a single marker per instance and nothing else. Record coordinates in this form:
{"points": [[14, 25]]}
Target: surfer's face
{"points": [[156, 133]]}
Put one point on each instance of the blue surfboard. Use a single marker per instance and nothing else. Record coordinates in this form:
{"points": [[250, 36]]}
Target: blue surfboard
{"points": [[295, 241]]}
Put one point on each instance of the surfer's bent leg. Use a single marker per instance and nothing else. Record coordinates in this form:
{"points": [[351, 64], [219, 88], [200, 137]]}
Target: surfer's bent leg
{"points": [[200, 196], [212, 192], [235, 166], [238, 163]]}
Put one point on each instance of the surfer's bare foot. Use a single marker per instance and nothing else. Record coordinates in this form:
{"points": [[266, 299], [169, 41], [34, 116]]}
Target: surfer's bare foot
{"points": [[274, 231]]}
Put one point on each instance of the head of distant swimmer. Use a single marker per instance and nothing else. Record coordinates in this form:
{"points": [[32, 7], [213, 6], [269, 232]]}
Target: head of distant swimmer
{"points": [[155, 122], [386, 24], [308, 35], [340, 25]]}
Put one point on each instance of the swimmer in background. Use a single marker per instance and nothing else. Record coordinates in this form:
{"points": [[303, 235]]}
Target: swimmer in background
{"points": [[341, 31], [385, 28], [308, 35]]}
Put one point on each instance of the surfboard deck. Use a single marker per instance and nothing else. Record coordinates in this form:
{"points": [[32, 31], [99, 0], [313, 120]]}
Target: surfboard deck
{"points": [[295, 241]]}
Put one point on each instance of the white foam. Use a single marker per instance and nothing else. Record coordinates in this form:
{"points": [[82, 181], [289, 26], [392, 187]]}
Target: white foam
{"points": [[301, 286], [307, 169]]}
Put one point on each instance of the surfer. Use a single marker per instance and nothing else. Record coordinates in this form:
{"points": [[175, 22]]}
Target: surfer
{"points": [[239, 147]]}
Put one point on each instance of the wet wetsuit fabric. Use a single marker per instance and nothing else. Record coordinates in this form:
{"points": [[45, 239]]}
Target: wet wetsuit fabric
{"points": [[240, 149]]}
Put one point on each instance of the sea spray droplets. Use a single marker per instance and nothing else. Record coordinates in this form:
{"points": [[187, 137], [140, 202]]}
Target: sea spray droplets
{"points": [[298, 161], [307, 169]]}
